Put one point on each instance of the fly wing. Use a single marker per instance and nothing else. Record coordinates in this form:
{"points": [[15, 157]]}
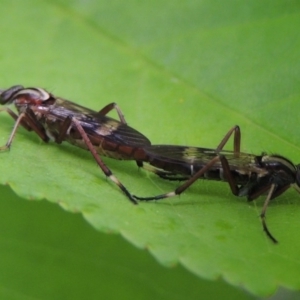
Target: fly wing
{"points": [[95, 124], [199, 156]]}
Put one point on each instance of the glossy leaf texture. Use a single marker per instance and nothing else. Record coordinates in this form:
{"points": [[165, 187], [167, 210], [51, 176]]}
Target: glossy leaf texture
{"points": [[183, 73]]}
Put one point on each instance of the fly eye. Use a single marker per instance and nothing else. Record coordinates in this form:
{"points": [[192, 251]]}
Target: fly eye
{"points": [[6, 96], [298, 175]]}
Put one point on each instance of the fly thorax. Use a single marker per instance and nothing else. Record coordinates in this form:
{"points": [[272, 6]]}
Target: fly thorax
{"points": [[282, 171]]}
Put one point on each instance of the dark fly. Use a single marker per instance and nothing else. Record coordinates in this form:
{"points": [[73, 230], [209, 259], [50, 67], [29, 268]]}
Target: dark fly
{"points": [[247, 175], [57, 119]]}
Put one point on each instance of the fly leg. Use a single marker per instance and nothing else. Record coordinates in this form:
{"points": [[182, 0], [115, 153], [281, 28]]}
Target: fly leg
{"points": [[184, 186], [109, 107], [99, 161], [15, 117], [66, 126], [274, 192], [263, 213], [228, 176], [28, 120], [236, 139], [63, 130]]}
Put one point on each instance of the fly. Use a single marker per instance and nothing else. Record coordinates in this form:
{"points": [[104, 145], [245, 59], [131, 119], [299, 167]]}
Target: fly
{"points": [[57, 119], [247, 175]]}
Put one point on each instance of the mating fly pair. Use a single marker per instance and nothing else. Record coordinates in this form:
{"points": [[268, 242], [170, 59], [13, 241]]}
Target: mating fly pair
{"points": [[61, 120]]}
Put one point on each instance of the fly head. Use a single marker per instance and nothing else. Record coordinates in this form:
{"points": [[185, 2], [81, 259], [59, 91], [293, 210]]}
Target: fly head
{"points": [[21, 96], [7, 96]]}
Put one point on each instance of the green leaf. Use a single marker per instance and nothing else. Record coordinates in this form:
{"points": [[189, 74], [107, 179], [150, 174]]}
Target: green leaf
{"points": [[183, 73], [48, 254]]}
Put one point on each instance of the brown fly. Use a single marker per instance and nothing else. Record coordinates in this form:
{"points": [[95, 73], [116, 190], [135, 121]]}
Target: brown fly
{"points": [[57, 119]]}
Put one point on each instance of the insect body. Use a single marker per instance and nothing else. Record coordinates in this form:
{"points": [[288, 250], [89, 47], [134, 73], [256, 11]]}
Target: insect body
{"points": [[247, 175], [57, 119], [62, 120]]}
